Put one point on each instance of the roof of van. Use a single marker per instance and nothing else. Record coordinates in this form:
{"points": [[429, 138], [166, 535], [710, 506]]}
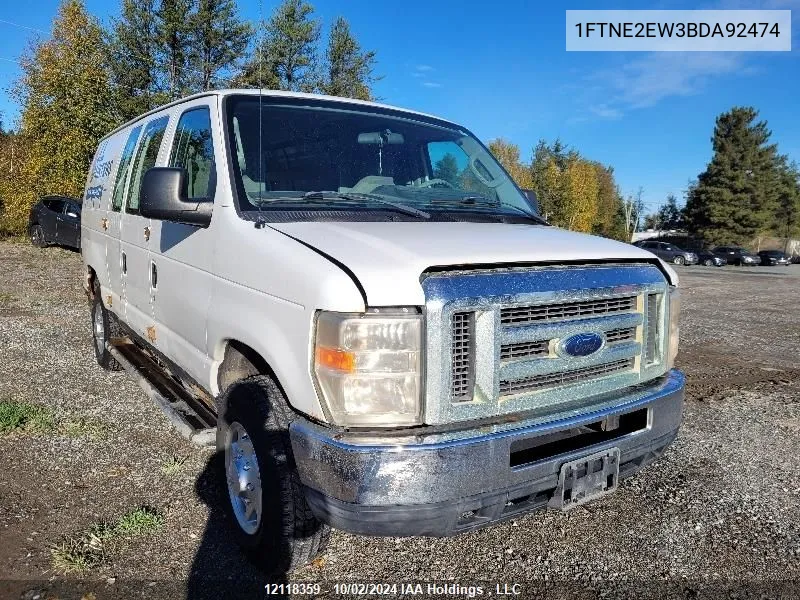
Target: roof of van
{"points": [[272, 94]]}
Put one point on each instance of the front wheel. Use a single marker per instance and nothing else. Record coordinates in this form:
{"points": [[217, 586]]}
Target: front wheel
{"points": [[272, 520], [679, 260], [708, 262]]}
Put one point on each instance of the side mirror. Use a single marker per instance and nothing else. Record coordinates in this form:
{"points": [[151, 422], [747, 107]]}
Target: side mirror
{"points": [[164, 196], [533, 199]]}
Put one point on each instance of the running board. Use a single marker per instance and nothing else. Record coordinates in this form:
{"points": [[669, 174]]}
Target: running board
{"points": [[190, 416]]}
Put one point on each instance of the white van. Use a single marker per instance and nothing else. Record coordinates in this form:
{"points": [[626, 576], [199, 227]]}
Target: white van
{"points": [[371, 318]]}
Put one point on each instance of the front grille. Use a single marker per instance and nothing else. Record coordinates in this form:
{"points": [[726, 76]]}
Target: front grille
{"points": [[520, 315], [525, 350], [462, 379], [651, 346], [620, 335], [538, 382]]}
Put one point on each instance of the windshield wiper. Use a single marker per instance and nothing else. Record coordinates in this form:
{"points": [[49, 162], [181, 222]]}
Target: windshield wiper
{"points": [[321, 196], [326, 196], [483, 201]]}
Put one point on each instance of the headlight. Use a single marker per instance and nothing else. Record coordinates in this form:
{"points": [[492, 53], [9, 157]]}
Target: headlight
{"points": [[674, 333], [368, 366]]}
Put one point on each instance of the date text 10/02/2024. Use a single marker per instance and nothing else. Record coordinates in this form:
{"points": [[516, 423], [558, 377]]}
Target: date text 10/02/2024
{"points": [[392, 589]]}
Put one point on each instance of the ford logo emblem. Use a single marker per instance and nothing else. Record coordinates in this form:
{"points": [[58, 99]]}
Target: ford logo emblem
{"points": [[582, 344]]}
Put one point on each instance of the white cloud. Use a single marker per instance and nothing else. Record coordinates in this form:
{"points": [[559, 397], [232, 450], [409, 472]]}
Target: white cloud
{"points": [[424, 68], [431, 84]]}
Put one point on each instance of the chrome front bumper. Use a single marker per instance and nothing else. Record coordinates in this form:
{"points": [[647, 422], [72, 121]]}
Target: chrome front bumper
{"points": [[443, 483]]}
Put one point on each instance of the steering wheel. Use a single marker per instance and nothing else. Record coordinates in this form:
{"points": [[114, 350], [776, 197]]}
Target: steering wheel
{"points": [[436, 182]]}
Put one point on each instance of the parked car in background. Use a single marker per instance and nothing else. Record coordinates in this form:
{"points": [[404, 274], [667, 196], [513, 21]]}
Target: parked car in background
{"points": [[668, 252], [737, 256], [709, 259], [55, 220], [771, 258]]}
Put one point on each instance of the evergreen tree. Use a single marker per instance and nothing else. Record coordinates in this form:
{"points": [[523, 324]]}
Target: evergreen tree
{"points": [[736, 196], [447, 168], [219, 39], [174, 45], [66, 104], [669, 216], [787, 214], [349, 70], [132, 58], [286, 57]]}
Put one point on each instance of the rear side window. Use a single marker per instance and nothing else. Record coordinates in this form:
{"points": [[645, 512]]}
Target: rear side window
{"points": [[57, 206], [124, 169], [146, 157], [193, 150]]}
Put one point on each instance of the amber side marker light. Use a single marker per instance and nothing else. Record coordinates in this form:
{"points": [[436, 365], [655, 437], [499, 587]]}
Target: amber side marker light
{"points": [[338, 360]]}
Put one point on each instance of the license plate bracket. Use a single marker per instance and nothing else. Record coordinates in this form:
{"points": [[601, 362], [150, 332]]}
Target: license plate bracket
{"points": [[586, 478]]}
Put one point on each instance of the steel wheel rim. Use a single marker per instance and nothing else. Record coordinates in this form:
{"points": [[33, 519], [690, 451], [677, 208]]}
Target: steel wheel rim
{"points": [[243, 478], [709, 263], [99, 328], [678, 260]]}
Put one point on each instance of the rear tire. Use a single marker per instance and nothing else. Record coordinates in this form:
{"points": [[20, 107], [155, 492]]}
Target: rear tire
{"points": [[267, 506], [37, 236], [104, 327]]}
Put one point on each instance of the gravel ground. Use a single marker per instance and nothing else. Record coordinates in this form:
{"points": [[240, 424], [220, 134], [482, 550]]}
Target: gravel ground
{"points": [[719, 510]]}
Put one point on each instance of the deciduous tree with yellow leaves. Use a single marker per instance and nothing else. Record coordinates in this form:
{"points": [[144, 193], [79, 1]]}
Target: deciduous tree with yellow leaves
{"points": [[66, 105]]}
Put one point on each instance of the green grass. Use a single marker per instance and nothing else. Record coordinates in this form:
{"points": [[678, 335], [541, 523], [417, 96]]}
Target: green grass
{"points": [[25, 416], [87, 549], [6, 299], [174, 465]]}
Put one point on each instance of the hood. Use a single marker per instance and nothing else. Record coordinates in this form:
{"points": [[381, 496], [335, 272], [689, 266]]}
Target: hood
{"points": [[388, 258]]}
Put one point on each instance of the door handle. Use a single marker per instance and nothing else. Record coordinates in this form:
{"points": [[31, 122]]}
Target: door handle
{"points": [[147, 234], [124, 263], [153, 275]]}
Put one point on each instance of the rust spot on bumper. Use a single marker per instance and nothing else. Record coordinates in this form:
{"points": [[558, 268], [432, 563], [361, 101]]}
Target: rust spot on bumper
{"points": [[151, 334]]}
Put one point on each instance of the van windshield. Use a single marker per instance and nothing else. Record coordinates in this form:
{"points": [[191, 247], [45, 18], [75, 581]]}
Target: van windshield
{"points": [[296, 153]]}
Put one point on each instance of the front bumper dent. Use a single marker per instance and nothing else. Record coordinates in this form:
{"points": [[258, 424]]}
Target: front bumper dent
{"points": [[445, 483]]}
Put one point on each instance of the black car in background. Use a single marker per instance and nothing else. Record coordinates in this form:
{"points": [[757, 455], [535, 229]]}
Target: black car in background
{"points": [[737, 255], [709, 259], [668, 252], [771, 258], [55, 220]]}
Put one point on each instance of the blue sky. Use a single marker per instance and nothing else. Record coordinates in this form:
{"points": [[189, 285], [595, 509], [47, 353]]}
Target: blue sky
{"points": [[501, 69]]}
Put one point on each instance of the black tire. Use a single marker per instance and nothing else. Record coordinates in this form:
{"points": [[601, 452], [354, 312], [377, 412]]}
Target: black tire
{"points": [[708, 262], [287, 536], [37, 236], [678, 260], [110, 329]]}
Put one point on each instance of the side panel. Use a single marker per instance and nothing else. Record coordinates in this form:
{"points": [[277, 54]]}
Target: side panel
{"points": [[183, 255], [97, 239], [136, 233]]}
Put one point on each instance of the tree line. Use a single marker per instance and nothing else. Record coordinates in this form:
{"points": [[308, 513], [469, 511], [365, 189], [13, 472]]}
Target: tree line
{"points": [[86, 79], [749, 191], [574, 192]]}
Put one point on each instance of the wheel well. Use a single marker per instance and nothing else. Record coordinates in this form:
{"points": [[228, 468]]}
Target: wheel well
{"points": [[91, 281], [241, 361]]}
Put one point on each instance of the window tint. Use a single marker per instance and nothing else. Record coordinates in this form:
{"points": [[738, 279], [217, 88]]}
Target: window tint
{"points": [[146, 157], [71, 207], [192, 150], [124, 168], [57, 206]]}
